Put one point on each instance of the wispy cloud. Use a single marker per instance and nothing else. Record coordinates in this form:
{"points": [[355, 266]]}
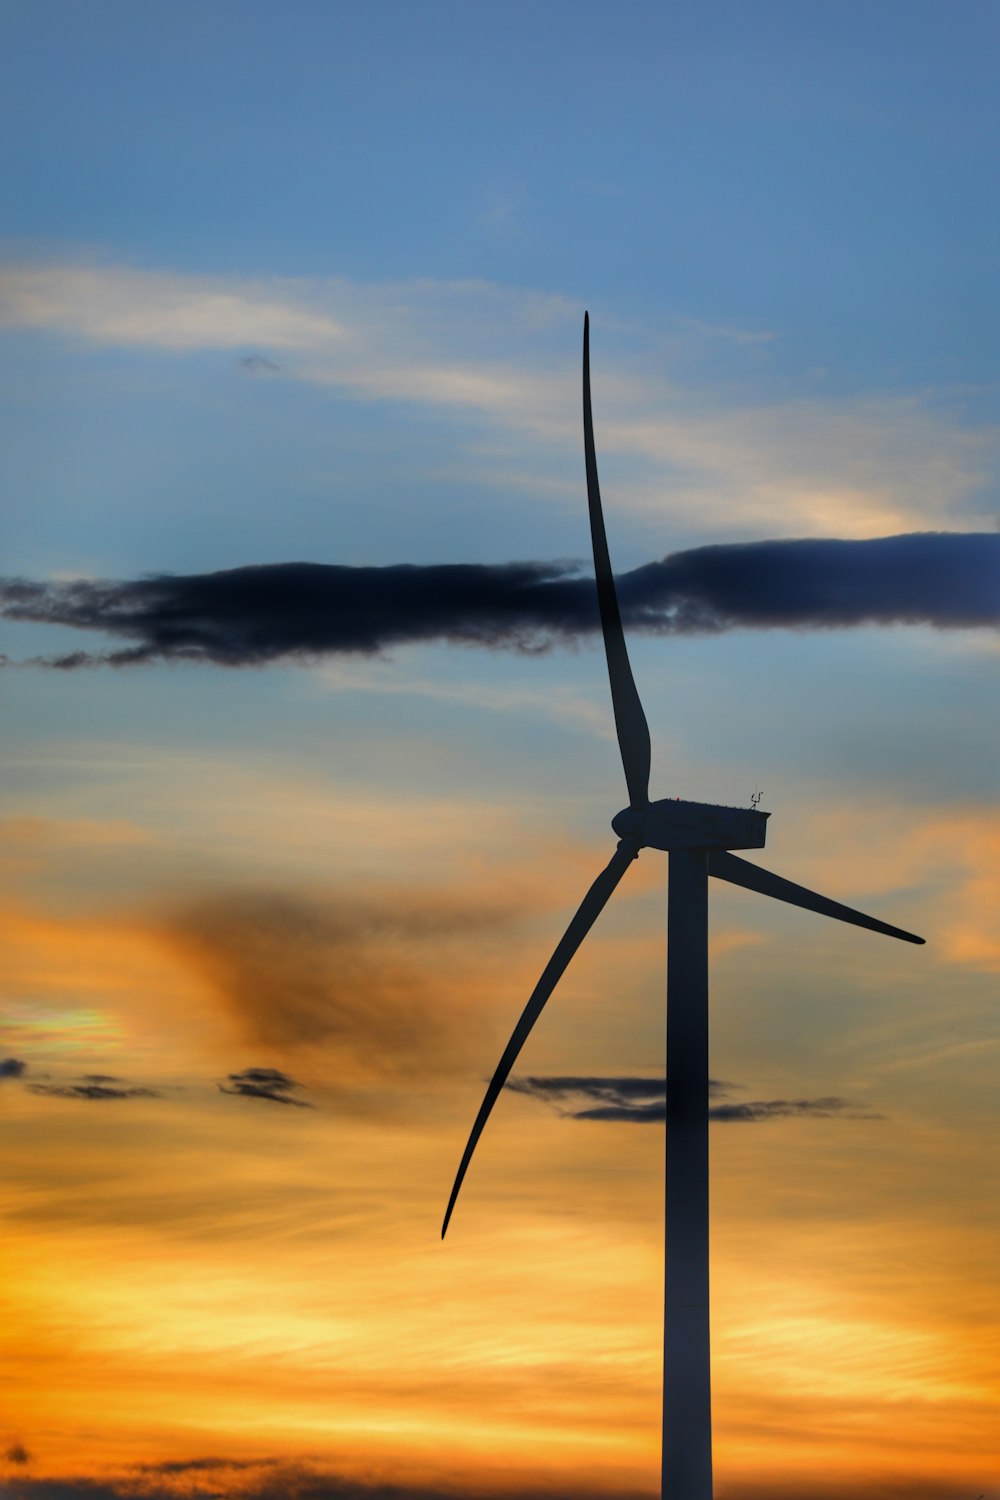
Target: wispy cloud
{"points": [[123, 306], [247, 616], [256, 364], [380, 982], [252, 1083], [949, 854], [829, 1107], [642, 1101], [264, 1083], [99, 1086], [860, 466], [272, 1479]]}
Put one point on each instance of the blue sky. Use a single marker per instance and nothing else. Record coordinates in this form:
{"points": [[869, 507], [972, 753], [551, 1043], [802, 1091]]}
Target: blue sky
{"points": [[306, 284], [820, 171]]}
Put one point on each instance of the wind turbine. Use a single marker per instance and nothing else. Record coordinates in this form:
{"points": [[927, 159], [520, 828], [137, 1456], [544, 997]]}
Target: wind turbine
{"points": [[698, 838]]}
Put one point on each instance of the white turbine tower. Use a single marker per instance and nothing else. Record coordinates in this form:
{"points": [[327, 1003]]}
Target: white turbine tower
{"points": [[697, 836]]}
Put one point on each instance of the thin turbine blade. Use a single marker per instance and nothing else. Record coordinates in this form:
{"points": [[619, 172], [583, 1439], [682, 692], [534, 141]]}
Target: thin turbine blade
{"points": [[630, 721], [589, 910], [741, 872]]}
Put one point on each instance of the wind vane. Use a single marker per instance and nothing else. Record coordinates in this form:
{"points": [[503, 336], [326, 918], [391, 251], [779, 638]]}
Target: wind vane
{"points": [[698, 838]]}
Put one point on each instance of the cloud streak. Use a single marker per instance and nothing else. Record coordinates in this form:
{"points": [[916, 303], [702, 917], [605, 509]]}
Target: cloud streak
{"points": [[253, 615], [642, 1101], [94, 1086], [270, 1479], [264, 1083], [866, 463]]}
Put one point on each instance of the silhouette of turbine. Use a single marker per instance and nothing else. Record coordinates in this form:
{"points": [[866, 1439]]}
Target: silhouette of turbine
{"points": [[697, 837]]}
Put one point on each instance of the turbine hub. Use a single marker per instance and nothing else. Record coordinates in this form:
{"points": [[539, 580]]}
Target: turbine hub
{"points": [[628, 823]]}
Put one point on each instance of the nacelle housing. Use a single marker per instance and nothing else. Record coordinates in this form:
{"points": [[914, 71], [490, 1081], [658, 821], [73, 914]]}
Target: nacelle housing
{"points": [[675, 824]]}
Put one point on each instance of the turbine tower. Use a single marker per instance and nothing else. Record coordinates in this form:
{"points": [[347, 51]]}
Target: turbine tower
{"points": [[697, 838]]}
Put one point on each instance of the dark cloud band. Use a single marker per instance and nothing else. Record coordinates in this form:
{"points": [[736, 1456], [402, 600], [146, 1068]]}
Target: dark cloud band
{"points": [[219, 1479], [642, 1101], [249, 616]]}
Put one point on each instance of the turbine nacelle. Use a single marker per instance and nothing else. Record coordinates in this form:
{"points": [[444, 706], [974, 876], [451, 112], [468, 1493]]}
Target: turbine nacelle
{"points": [[675, 824]]}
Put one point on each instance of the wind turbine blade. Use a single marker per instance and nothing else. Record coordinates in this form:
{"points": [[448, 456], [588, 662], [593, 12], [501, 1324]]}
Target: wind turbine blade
{"points": [[741, 872], [589, 910], [630, 721]]}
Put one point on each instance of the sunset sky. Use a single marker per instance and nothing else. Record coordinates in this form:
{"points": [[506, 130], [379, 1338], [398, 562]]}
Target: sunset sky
{"points": [[302, 782]]}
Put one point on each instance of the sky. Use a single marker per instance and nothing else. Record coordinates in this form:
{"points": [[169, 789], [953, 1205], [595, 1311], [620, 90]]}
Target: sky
{"points": [[309, 755]]}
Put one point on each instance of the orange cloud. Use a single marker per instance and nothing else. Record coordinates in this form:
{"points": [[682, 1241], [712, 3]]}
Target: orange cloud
{"points": [[939, 866], [386, 982]]}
